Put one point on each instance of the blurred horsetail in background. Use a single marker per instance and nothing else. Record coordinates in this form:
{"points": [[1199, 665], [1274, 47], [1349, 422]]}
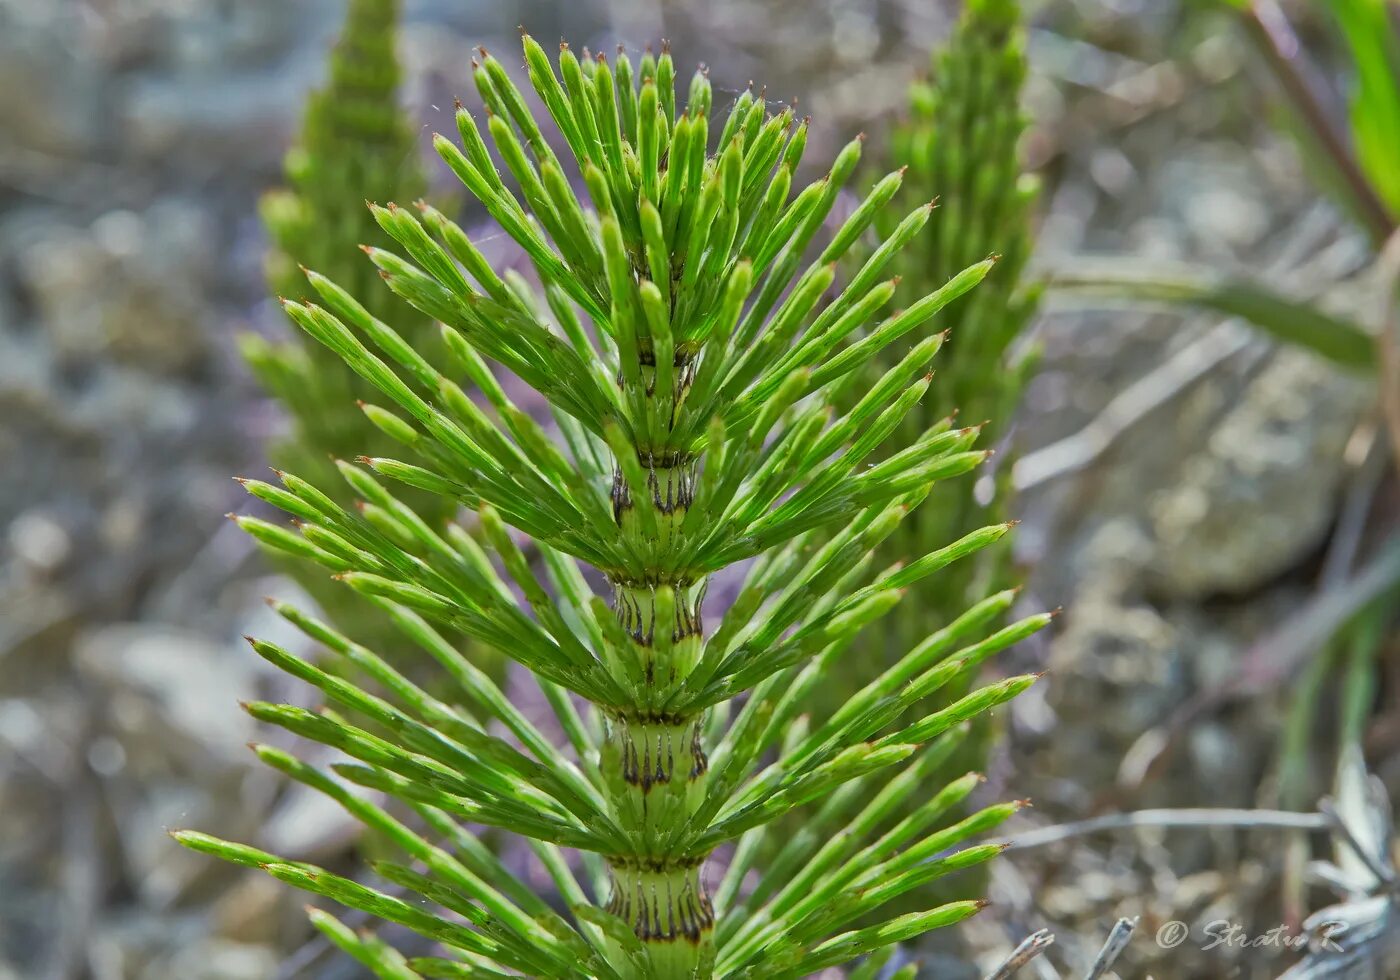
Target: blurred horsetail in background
{"points": [[700, 368], [959, 148], [960, 145], [356, 145]]}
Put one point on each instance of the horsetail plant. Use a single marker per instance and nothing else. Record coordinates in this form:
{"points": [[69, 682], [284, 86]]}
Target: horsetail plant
{"points": [[961, 141], [691, 350], [355, 144]]}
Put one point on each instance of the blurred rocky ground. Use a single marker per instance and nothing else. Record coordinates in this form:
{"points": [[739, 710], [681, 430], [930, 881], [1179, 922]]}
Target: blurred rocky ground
{"points": [[135, 136]]}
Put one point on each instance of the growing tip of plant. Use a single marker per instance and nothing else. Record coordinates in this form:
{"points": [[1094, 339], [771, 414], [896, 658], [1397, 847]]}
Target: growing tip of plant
{"points": [[933, 203], [1054, 613], [994, 257], [456, 104]]}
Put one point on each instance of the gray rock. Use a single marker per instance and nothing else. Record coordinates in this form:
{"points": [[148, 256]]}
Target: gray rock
{"points": [[175, 691], [128, 287], [1261, 491]]}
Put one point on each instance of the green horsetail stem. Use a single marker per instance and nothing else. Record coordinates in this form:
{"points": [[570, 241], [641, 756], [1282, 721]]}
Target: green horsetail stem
{"points": [[695, 350], [959, 142], [355, 144]]}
